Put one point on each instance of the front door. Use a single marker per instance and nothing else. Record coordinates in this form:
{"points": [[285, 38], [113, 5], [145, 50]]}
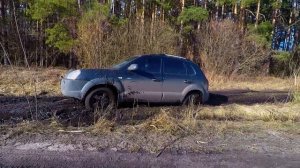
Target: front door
{"points": [[145, 83]]}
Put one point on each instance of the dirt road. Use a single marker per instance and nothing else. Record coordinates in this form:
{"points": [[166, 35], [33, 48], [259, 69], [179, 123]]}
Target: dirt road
{"points": [[11, 157]]}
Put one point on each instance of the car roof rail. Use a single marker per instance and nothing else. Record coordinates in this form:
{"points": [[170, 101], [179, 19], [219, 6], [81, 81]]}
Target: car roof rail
{"points": [[166, 55], [175, 56]]}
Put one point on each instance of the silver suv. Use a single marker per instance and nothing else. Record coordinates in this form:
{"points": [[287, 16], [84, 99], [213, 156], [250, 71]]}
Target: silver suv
{"points": [[156, 78]]}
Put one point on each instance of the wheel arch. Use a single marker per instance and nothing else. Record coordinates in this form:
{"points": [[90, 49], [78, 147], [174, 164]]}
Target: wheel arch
{"points": [[111, 83]]}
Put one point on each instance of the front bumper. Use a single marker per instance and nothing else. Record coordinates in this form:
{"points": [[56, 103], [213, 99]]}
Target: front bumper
{"points": [[72, 88]]}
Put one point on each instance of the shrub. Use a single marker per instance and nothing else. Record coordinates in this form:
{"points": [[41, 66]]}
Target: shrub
{"points": [[225, 50], [262, 34], [100, 44]]}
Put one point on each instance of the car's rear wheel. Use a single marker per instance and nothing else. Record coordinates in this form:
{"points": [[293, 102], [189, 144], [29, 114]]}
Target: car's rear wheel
{"points": [[101, 99], [193, 98]]}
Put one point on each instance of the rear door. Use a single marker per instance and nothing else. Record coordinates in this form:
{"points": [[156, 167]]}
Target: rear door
{"points": [[175, 79], [144, 84]]}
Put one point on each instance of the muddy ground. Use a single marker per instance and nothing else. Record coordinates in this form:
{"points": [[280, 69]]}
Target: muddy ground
{"points": [[250, 148], [14, 109]]}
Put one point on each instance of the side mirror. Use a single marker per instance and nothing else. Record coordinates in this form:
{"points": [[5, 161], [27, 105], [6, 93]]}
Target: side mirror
{"points": [[132, 67]]}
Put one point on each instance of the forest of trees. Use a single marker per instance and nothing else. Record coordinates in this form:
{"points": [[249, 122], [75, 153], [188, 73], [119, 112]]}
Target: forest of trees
{"points": [[244, 35]]}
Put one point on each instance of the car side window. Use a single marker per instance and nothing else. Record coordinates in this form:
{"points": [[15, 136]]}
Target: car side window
{"points": [[149, 64], [152, 65], [190, 70], [174, 67]]}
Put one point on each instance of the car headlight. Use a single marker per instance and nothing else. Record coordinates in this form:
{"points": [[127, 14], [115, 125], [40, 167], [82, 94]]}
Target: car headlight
{"points": [[73, 75]]}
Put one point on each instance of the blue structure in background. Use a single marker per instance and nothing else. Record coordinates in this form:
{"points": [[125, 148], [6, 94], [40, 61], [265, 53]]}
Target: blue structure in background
{"points": [[285, 39]]}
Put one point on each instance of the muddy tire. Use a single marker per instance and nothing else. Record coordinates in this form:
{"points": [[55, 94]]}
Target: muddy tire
{"points": [[100, 98], [194, 98]]}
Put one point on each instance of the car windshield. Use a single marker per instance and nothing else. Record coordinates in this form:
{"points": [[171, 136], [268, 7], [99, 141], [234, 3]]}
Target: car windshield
{"points": [[124, 63]]}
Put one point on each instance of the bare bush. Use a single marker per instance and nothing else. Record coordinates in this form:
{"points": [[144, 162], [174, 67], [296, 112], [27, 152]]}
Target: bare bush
{"points": [[226, 51], [101, 45]]}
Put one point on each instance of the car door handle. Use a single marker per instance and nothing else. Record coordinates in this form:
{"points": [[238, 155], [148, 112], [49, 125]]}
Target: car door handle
{"points": [[187, 81], [156, 80]]}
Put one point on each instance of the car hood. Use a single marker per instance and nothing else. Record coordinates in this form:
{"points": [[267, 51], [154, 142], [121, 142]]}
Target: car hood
{"points": [[89, 74]]}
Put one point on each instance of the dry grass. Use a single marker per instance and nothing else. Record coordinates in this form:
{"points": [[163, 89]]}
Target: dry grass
{"points": [[162, 122], [252, 83], [296, 94], [25, 127], [265, 112], [169, 120], [182, 121], [103, 126], [21, 81], [175, 121], [296, 97], [190, 129], [191, 119]]}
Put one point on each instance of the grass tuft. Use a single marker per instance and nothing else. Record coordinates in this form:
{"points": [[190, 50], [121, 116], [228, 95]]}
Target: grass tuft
{"points": [[103, 126], [162, 122], [172, 121]]}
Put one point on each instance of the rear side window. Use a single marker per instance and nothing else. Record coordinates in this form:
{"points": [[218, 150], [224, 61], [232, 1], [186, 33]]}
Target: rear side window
{"points": [[174, 67]]}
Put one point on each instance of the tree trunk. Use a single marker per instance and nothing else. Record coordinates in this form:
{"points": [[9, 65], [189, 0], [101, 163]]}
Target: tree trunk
{"points": [[143, 14], [4, 30], [71, 60], [257, 13], [217, 12], [140, 12], [40, 38], [223, 11], [162, 14], [112, 7], [275, 13], [19, 34], [292, 17], [182, 51], [153, 21], [242, 19], [235, 11], [128, 9], [79, 4]]}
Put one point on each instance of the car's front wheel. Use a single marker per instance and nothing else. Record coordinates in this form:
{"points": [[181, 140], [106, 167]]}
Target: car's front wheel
{"points": [[101, 99], [193, 98]]}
